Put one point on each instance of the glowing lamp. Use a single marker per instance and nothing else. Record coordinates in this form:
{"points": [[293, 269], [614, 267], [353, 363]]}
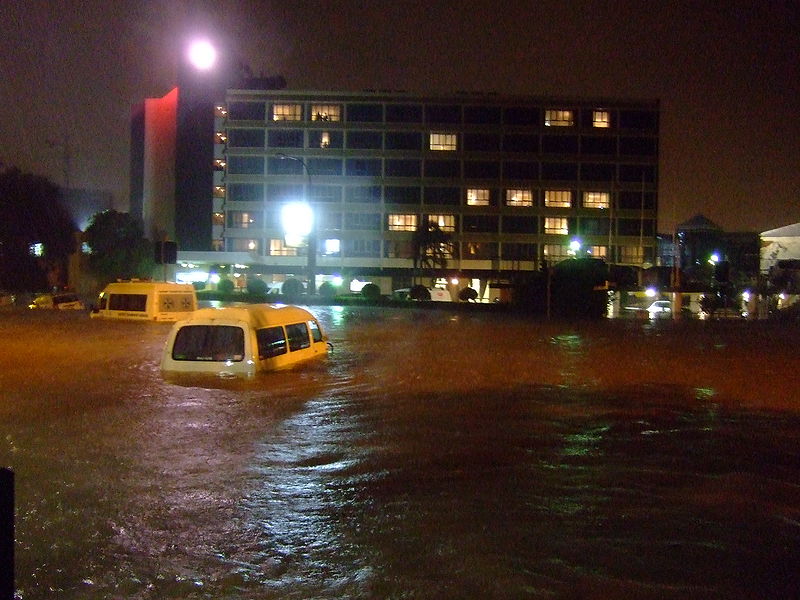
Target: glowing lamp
{"points": [[202, 55], [297, 219]]}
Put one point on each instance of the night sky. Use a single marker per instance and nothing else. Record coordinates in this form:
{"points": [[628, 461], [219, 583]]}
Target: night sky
{"points": [[727, 74]]}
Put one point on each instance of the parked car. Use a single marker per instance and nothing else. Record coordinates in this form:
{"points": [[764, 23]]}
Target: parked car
{"points": [[660, 309], [61, 301]]}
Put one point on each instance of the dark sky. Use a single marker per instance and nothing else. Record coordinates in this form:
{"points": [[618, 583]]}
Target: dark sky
{"points": [[727, 74]]}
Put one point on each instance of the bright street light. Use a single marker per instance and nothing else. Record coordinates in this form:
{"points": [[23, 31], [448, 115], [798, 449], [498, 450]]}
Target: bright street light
{"points": [[202, 55], [297, 219]]}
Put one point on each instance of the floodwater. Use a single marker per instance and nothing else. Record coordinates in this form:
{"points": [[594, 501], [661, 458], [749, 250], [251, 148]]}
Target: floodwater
{"points": [[432, 455]]}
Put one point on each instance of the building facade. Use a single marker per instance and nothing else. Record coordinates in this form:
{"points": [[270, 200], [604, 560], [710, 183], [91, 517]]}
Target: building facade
{"points": [[507, 184]]}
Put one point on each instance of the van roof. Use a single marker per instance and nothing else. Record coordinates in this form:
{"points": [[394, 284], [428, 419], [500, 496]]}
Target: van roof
{"points": [[255, 315]]}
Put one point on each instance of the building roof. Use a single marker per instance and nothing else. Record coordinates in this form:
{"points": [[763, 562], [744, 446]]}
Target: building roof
{"points": [[699, 223], [786, 231]]}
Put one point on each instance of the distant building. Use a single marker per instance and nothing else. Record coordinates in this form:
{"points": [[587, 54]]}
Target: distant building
{"points": [[778, 244], [700, 238]]}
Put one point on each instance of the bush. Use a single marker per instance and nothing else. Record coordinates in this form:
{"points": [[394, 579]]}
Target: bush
{"points": [[327, 290], [199, 285], [257, 287], [292, 287], [419, 292], [225, 286], [371, 291], [467, 294]]}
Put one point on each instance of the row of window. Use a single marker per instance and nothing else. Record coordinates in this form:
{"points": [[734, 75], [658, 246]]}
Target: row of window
{"points": [[449, 169], [471, 196], [374, 221], [374, 112], [440, 141], [448, 250]]}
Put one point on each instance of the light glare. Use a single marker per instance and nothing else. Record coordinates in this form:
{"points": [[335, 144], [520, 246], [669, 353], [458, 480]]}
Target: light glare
{"points": [[202, 55]]}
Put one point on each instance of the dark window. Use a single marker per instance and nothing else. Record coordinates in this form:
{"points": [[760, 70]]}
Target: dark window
{"points": [[637, 146], [521, 115], [246, 138], [481, 142], [638, 119], [435, 113], [403, 113], [363, 193], [442, 195], [246, 111], [395, 194], [402, 168], [362, 248], [245, 165], [316, 332], [362, 221], [479, 224], [403, 140], [325, 139], [371, 140], [559, 144], [209, 343], [636, 200], [646, 173], [559, 171], [330, 221], [603, 145], [326, 193], [271, 342], [245, 192], [285, 138], [363, 167], [298, 336], [364, 113], [442, 168], [478, 250], [284, 192], [480, 115], [511, 251], [324, 166], [132, 302], [481, 169], [600, 172], [521, 143], [593, 226], [632, 227], [284, 166], [520, 170], [520, 224]]}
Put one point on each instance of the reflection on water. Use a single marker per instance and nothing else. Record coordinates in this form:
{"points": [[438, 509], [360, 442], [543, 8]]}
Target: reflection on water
{"points": [[430, 456]]}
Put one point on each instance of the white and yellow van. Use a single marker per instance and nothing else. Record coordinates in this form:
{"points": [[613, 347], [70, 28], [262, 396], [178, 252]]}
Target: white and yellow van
{"points": [[243, 340], [146, 301]]}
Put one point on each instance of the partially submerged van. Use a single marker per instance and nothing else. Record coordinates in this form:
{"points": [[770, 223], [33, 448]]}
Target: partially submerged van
{"points": [[146, 301], [243, 340]]}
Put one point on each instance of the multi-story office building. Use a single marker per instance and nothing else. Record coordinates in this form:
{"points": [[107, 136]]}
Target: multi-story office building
{"points": [[505, 184]]}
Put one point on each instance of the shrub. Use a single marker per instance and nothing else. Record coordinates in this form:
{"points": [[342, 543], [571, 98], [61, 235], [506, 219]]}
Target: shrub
{"points": [[257, 287], [292, 287], [327, 290], [467, 294], [419, 292], [371, 291], [199, 285], [225, 286]]}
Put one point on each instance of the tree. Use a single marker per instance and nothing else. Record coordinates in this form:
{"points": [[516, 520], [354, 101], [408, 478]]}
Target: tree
{"points": [[118, 248], [431, 246], [371, 291], [36, 232]]}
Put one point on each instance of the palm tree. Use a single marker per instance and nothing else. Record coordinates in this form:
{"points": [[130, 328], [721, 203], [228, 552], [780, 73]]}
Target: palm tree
{"points": [[431, 246]]}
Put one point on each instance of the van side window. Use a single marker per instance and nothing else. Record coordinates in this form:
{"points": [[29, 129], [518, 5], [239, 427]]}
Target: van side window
{"points": [[316, 332], [271, 342], [128, 302], [298, 336], [209, 342]]}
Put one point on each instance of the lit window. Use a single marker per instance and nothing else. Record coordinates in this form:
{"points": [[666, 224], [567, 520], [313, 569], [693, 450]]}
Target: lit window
{"points": [[596, 199], [557, 225], [601, 118], [556, 252], [598, 251], [519, 197], [219, 191], [36, 249], [220, 164], [220, 111], [443, 141], [330, 247], [326, 112], [558, 118], [445, 222], [242, 245], [402, 222], [443, 250], [325, 139], [478, 197], [278, 248], [220, 137], [558, 198], [218, 219], [287, 112], [217, 245], [241, 219], [632, 254]]}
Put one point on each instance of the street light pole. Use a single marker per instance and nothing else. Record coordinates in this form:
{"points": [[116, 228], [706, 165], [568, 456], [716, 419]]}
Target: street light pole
{"points": [[312, 236]]}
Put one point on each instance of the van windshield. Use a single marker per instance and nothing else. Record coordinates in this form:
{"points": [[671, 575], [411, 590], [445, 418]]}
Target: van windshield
{"points": [[209, 342]]}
